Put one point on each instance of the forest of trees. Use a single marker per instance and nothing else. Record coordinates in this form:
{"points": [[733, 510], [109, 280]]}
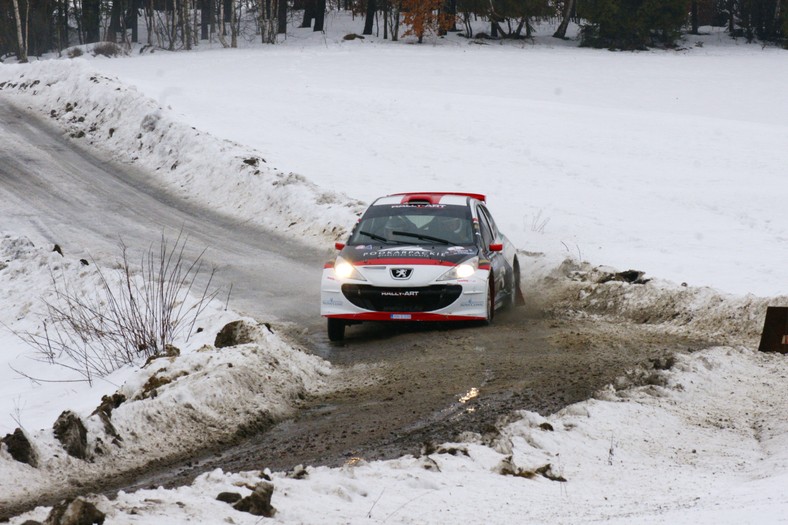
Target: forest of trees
{"points": [[35, 27]]}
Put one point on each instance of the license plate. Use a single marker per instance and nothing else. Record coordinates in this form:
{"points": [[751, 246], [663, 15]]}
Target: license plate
{"points": [[400, 316]]}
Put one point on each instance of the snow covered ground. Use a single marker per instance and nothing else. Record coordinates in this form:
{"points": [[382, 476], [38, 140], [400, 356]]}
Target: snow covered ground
{"points": [[670, 162]]}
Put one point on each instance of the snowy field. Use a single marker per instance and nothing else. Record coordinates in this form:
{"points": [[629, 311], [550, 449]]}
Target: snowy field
{"points": [[669, 162]]}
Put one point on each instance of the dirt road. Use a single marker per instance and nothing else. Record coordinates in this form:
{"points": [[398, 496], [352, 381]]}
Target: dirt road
{"points": [[415, 386]]}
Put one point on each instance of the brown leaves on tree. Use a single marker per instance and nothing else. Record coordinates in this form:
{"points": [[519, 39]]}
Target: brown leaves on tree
{"points": [[425, 17]]}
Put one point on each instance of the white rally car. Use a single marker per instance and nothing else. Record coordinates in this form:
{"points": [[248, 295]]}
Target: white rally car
{"points": [[421, 257]]}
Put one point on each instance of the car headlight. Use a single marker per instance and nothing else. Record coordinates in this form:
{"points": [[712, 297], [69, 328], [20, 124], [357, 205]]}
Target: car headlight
{"points": [[462, 271], [345, 270]]}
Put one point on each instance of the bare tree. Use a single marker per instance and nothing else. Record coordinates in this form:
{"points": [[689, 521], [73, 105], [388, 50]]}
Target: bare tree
{"points": [[20, 40], [185, 23], [569, 6], [235, 22], [320, 14], [269, 20], [694, 16], [369, 20], [282, 17], [222, 29]]}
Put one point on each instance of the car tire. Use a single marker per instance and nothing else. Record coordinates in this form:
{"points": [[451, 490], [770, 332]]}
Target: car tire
{"points": [[490, 301], [336, 329], [515, 295]]}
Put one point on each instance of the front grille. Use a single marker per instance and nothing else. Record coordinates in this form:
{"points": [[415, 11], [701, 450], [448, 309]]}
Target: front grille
{"points": [[420, 299]]}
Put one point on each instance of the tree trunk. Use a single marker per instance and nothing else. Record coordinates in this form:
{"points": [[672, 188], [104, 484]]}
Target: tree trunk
{"points": [[205, 16], [395, 28], [451, 10], [694, 17], [78, 20], [63, 24], [222, 30], [91, 20], [731, 20], [309, 13], [234, 26], [386, 22], [22, 56], [369, 21], [320, 14], [566, 15], [281, 14], [186, 26], [133, 21], [114, 22]]}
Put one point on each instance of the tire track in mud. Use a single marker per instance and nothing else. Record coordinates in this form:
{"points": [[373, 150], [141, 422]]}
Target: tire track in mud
{"points": [[415, 386]]}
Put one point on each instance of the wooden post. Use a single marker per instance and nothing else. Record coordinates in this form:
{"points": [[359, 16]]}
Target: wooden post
{"points": [[774, 337]]}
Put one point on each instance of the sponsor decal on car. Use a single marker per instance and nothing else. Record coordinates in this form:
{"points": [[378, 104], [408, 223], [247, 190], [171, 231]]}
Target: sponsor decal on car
{"points": [[415, 253], [332, 302], [405, 293], [393, 206], [470, 303], [460, 250]]}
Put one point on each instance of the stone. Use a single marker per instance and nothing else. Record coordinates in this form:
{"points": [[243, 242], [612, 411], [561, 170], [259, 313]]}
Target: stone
{"points": [[229, 497], [258, 503], [20, 448], [235, 333], [72, 434], [76, 511]]}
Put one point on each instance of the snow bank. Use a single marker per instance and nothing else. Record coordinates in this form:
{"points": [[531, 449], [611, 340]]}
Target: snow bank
{"points": [[589, 290], [118, 121], [169, 407]]}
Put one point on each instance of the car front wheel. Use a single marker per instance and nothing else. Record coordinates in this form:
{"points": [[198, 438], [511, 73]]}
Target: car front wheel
{"points": [[336, 329], [490, 301]]}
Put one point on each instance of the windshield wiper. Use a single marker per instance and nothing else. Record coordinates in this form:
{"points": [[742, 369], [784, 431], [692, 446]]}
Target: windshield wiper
{"points": [[422, 237], [374, 236]]}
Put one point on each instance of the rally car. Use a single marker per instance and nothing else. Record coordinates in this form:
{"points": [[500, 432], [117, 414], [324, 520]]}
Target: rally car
{"points": [[421, 257]]}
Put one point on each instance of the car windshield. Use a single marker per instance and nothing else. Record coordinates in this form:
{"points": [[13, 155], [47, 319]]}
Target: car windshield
{"points": [[427, 224]]}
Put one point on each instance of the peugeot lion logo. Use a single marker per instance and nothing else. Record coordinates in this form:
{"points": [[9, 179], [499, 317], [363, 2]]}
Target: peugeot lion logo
{"points": [[401, 273]]}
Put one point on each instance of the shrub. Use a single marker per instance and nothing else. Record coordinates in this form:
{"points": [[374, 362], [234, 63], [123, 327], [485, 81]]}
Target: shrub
{"points": [[107, 49], [632, 24], [134, 314]]}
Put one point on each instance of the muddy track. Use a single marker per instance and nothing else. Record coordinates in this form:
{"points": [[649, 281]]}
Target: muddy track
{"points": [[429, 384]]}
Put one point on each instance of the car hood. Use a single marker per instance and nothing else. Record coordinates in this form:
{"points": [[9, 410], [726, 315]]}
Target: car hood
{"points": [[372, 254]]}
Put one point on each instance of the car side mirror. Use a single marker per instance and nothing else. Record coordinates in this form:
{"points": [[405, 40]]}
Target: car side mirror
{"points": [[339, 245], [496, 247]]}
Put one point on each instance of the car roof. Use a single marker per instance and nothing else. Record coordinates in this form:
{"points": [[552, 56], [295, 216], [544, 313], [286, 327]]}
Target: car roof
{"points": [[430, 197]]}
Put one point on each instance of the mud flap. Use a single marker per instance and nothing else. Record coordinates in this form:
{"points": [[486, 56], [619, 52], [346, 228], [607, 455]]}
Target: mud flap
{"points": [[774, 337]]}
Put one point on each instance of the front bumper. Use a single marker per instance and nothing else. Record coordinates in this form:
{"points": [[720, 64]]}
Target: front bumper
{"points": [[388, 300]]}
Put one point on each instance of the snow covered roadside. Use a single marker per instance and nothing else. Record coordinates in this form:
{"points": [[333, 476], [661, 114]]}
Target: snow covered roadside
{"points": [[587, 290], [118, 121], [708, 445], [156, 411]]}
